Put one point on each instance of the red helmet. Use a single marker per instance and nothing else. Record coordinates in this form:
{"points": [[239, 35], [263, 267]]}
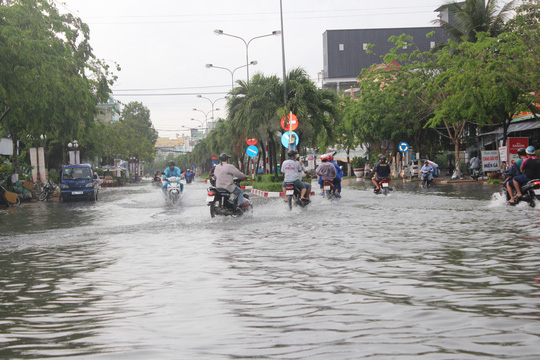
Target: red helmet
{"points": [[330, 158]]}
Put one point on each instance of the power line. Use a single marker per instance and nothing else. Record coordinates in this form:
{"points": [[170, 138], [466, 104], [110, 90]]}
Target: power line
{"points": [[255, 13], [178, 88]]}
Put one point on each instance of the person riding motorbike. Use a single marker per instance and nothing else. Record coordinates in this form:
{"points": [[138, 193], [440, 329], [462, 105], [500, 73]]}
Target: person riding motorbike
{"points": [[337, 181], [530, 170], [171, 171], [224, 174], [381, 171], [427, 167], [189, 175], [293, 169], [512, 172], [474, 164], [327, 171]]}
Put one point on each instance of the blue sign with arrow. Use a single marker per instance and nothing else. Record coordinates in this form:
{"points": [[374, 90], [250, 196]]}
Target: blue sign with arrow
{"points": [[252, 151], [403, 147]]}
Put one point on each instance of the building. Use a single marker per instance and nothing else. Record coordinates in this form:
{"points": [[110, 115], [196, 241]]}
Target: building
{"points": [[346, 51], [167, 148], [109, 111]]}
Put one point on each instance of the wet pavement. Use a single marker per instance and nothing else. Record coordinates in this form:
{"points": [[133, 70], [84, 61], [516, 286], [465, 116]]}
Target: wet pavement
{"points": [[450, 272]]}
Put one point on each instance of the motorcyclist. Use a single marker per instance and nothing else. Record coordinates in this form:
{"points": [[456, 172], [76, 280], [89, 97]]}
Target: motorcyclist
{"points": [[475, 164], [225, 173], [326, 171], [427, 167], [381, 171], [171, 171], [293, 169], [337, 180], [513, 171], [189, 175], [530, 170]]}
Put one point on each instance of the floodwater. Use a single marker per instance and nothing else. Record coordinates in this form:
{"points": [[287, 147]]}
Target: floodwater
{"points": [[444, 273]]}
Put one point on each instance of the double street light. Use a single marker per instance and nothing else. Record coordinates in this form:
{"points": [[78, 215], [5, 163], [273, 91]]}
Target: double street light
{"points": [[254, 62], [246, 43]]}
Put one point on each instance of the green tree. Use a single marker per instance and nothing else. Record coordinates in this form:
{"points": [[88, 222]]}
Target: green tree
{"points": [[471, 17], [49, 79]]}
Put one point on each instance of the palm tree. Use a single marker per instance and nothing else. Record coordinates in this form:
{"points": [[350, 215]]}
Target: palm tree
{"points": [[469, 17]]}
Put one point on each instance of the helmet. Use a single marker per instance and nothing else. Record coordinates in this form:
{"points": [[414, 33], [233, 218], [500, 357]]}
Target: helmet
{"points": [[330, 157], [383, 158], [380, 156], [325, 157], [521, 151], [224, 156], [292, 154], [171, 163], [530, 150]]}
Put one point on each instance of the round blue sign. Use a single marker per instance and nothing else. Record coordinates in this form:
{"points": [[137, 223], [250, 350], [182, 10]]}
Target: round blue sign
{"points": [[285, 141], [252, 151], [403, 147]]}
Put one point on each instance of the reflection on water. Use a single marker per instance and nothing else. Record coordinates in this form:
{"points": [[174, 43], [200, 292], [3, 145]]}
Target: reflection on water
{"points": [[444, 273]]}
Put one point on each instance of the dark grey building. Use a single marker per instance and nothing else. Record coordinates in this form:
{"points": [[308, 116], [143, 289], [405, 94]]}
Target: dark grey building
{"points": [[345, 51]]}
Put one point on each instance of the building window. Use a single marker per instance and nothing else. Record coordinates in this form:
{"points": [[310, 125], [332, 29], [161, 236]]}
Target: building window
{"points": [[432, 44], [341, 47], [364, 46]]}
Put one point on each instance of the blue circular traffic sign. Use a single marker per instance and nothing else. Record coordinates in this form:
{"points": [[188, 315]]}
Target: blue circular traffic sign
{"points": [[285, 141], [403, 147], [252, 151]]}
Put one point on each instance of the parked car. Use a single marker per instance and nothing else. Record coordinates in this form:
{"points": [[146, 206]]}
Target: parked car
{"points": [[78, 182]]}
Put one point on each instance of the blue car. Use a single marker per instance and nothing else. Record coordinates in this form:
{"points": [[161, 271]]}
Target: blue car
{"points": [[78, 182]]}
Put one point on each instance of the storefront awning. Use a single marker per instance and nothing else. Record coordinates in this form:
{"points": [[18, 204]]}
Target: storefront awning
{"points": [[520, 126]]}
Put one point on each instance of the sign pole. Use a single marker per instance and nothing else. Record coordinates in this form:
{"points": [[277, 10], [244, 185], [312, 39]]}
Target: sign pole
{"points": [[403, 165], [290, 129]]}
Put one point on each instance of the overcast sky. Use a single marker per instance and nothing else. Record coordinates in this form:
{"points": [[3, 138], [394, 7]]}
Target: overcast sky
{"points": [[163, 46]]}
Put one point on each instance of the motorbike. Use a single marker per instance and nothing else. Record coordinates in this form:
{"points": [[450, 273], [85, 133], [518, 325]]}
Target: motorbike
{"points": [[189, 177], [293, 194], [48, 190], [530, 192], [476, 173], [330, 190], [8, 198], [426, 181], [173, 191], [384, 187], [156, 181], [223, 202]]}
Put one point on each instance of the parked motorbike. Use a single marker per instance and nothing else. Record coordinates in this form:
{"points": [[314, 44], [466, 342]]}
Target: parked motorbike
{"points": [[8, 198], [223, 202], [426, 179], [293, 194], [530, 192], [48, 190], [330, 191], [174, 192], [384, 187]]}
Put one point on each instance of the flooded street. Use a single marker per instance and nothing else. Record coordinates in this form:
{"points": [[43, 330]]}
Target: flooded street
{"points": [[447, 273]]}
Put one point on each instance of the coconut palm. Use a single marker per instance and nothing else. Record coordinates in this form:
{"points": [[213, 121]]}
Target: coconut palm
{"points": [[469, 17]]}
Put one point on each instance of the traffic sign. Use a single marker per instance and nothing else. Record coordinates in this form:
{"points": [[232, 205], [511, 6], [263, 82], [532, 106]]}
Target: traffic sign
{"points": [[251, 141], [285, 141], [214, 157], [252, 151], [289, 123], [403, 147]]}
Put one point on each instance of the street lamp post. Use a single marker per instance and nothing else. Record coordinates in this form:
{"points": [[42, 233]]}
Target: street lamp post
{"points": [[206, 127], [254, 62], [74, 155], [273, 33], [211, 102]]}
